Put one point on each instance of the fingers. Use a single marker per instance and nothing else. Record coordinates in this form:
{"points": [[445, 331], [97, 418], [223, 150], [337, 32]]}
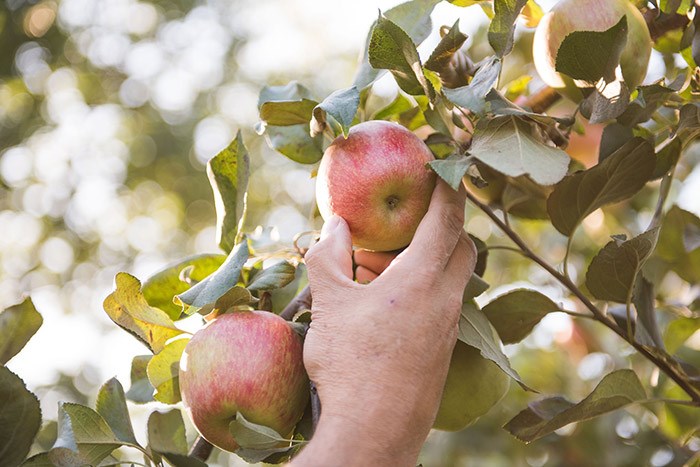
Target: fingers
{"points": [[374, 261], [364, 275], [438, 232], [460, 267], [331, 258]]}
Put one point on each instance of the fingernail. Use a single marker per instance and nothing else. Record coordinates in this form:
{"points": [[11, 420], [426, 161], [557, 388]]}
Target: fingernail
{"points": [[329, 226]]}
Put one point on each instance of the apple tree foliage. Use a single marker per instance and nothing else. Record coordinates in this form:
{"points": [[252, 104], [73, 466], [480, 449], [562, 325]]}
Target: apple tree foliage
{"points": [[506, 143]]}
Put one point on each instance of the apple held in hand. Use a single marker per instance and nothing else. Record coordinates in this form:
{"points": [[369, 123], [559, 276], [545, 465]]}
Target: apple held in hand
{"points": [[377, 180], [569, 16], [474, 385], [248, 362]]}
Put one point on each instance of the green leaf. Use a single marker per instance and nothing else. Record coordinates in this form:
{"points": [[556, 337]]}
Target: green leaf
{"points": [[516, 313], [613, 271], [160, 288], [250, 435], [507, 144], [236, 296], [398, 106], [667, 157], [295, 143], [524, 198], [414, 18], [502, 25], [446, 48], [689, 122], [615, 390], [482, 256], [111, 405], [646, 330], [591, 55], [285, 113], [649, 99], [451, 169], [341, 105], [18, 324], [253, 456], [618, 177], [475, 330], [166, 432], [606, 104], [141, 390], [390, 48], [680, 7], [163, 372], [678, 331], [181, 460], [288, 92], [128, 308], [208, 291], [614, 137], [678, 243], [475, 287], [473, 95], [276, 276], [83, 437], [20, 418], [292, 141], [228, 174]]}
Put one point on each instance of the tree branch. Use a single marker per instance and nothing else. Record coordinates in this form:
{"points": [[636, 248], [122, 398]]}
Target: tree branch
{"points": [[672, 372]]}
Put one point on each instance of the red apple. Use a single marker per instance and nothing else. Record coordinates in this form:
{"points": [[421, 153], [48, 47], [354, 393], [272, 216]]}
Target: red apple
{"points": [[377, 180], [248, 362], [569, 16]]}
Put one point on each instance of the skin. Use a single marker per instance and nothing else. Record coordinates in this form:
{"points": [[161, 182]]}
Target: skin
{"points": [[248, 362], [379, 352], [591, 15], [377, 181]]}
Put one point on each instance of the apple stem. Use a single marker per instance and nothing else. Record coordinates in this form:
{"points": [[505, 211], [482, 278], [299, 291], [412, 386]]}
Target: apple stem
{"points": [[201, 449]]}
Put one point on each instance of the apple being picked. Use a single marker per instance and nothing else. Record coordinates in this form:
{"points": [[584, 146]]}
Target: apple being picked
{"points": [[569, 16], [248, 362], [377, 180]]}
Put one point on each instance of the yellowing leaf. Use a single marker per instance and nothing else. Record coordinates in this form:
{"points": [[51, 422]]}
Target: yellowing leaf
{"points": [[128, 308]]}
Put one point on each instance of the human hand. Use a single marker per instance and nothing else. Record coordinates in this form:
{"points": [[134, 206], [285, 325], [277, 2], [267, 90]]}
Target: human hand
{"points": [[379, 352]]}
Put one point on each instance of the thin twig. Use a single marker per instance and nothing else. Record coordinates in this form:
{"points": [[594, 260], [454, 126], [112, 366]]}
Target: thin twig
{"points": [[598, 315]]}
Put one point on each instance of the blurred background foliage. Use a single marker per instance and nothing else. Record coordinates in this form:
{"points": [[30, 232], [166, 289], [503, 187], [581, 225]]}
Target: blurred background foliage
{"points": [[109, 110]]}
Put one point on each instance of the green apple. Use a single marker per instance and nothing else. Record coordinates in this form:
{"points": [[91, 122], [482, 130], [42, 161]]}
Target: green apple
{"points": [[248, 362], [474, 385], [569, 16], [377, 180]]}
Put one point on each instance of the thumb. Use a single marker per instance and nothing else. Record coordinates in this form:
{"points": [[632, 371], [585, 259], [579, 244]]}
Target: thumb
{"points": [[331, 257]]}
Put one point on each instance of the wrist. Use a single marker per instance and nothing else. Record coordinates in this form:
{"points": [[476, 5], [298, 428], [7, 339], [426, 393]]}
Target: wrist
{"points": [[347, 441]]}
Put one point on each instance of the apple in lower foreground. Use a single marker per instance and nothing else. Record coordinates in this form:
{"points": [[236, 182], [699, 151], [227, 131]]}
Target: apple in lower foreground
{"points": [[248, 362], [377, 180], [474, 385], [569, 16]]}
